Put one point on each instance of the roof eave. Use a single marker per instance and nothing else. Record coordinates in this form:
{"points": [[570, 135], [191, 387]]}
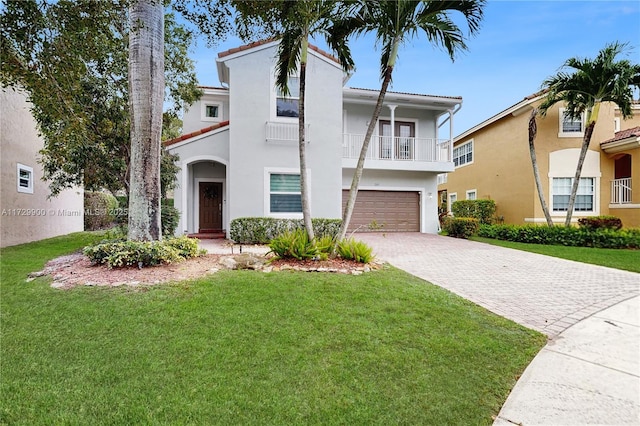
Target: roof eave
{"points": [[621, 145]]}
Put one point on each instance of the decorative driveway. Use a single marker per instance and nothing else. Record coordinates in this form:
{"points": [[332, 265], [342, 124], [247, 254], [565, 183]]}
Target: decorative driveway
{"points": [[540, 292]]}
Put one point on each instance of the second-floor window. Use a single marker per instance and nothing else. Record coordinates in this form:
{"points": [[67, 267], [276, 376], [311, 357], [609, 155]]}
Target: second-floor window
{"points": [[463, 154], [25, 179], [570, 127], [287, 105]]}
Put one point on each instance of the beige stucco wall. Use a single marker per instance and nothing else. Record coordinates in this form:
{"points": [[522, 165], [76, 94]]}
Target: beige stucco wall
{"points": [[502, 169], [29, 217]]}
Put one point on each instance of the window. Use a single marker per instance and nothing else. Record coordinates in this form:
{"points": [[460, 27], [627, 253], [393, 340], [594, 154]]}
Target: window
{"points": [[442, 178], [584, 197], [24, 179], [570, 127], [287, 106], [472, 194], [616, 124], [211, 111], [452, 199], [284, 191], [463, 154]]}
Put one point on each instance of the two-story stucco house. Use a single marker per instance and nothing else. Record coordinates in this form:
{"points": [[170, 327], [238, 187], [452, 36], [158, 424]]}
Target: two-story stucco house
{"points": [[28, 211], [492, 161], [239, 154]]}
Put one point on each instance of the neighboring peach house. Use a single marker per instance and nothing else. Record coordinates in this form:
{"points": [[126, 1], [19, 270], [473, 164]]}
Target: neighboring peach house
{"points": [[492, 161], [27, 212]]}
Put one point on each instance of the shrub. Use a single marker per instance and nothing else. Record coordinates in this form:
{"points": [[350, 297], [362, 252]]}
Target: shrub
{"points": [[169, 217], [563, 235], [116, 254], [261, 230], [600, 222], [99, 210], [483, 210], [350, 249], [294, 244], [461, 227]]}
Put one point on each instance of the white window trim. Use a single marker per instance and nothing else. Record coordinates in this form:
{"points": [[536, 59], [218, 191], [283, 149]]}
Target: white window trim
{"points": [[596, 198], [29, 188], [472, 191], [203, 111], [449, 202], [473, 154], [562, 134], [267, 191]]}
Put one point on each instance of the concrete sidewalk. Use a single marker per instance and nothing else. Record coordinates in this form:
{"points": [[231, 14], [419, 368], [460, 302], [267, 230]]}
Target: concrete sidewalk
{"points": [[588, 373]]}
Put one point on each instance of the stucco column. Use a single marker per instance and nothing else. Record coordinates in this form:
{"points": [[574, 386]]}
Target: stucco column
{"points": [[451, 135], [392, 108]]}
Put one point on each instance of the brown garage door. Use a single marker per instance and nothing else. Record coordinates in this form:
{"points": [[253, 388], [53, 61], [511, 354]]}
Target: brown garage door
{"points": [[391, 211]]}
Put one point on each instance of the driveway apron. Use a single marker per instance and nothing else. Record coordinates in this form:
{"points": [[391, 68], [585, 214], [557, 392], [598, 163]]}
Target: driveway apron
{"points": [[544, 293]]}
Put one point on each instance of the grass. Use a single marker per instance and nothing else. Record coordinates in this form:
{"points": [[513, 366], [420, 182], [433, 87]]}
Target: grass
{"points": [[245, 347], [628, 260]]}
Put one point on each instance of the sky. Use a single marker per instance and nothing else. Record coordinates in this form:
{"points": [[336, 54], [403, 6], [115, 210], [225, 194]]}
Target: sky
{"points": [[520, 43]]}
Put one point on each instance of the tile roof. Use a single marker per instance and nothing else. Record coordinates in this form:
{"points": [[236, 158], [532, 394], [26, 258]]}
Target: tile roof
{"points": [[408, 93], [624, 134], [196, 133], [269, 40]]}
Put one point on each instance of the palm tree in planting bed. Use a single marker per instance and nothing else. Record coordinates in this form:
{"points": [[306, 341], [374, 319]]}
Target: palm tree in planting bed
{"points": [[395, 22], [301, 20], [146, 95], [593, 81]]}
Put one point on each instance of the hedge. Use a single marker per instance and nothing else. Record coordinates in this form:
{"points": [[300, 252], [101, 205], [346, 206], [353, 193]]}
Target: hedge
{"points": [[460, 227], [564, 235], [261, 230], [483, 210]]}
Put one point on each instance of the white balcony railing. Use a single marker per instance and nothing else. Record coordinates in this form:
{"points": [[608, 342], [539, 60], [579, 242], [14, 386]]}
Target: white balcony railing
{"points": [[621, 191], [398, 148], [283, 132]]}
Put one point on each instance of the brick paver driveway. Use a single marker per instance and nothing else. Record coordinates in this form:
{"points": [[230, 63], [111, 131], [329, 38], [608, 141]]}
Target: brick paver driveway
{"points": [[540, 292]]}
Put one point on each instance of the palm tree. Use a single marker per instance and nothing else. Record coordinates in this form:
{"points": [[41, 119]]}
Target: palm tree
{"points": [[394, 23], [300, 21], [146, 95], [591, 82], [533, 130]]}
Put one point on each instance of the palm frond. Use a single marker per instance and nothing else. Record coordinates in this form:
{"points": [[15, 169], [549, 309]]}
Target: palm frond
{"points": [[289, 51]]}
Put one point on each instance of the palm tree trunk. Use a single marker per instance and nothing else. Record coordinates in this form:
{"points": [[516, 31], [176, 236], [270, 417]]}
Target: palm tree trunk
{"points": [[353, 191], [576, 180], [302, 148], [146, 94], [533, 130]]}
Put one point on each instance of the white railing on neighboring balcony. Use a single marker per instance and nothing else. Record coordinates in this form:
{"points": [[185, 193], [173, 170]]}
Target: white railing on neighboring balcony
{"points": [[283, 132], [398, 148], [621, 191]]}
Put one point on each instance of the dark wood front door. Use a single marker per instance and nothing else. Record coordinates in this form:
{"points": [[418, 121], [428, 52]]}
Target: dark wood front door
{"points": [[210, 206]]}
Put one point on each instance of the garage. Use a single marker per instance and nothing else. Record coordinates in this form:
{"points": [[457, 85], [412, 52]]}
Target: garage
{"points": [[388, 211]]}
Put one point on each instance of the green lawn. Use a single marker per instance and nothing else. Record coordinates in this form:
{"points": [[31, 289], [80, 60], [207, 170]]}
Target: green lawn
{"points": [[244, 347], [628, 260]]}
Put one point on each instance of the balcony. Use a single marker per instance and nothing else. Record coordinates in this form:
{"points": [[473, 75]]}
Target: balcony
{"points": [[621, 191], [399, 153]]}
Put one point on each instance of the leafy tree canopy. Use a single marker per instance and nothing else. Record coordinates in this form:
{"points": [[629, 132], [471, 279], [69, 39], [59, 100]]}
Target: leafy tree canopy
{"points": [[71, 59]]}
